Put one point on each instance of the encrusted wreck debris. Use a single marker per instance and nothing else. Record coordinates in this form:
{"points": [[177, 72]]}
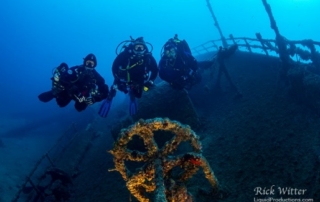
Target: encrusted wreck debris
{"points": [[281, 45], [156, 173], [299, 59]]}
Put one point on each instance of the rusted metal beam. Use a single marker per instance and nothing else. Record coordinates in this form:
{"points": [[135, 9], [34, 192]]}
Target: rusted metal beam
{"points": [[223, 39], [281, 42], [259, 37]]}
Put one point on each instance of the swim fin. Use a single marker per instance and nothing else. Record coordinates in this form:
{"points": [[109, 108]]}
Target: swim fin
{"points": [[46, 96], [105, 107], [132, 106]]}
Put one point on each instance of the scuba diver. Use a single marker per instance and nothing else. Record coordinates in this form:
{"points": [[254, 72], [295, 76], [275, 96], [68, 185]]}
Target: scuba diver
{"points": [[177, 66], [134, 70], [81, 83], [223, 54]]}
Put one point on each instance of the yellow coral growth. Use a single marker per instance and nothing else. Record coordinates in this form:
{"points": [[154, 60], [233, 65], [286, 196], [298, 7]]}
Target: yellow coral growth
{"points": [[145, 180]]}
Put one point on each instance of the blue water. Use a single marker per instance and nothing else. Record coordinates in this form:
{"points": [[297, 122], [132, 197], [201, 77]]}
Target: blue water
{"points": [[38, 35]]}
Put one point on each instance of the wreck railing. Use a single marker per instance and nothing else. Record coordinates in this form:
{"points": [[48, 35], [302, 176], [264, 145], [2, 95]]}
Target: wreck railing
{"points": [[48, 159], [302, 49]]}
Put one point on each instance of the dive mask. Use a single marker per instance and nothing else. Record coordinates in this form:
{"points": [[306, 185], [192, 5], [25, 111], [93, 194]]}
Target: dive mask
{"points": [[171, 53], [89, 64], [139, 49]]}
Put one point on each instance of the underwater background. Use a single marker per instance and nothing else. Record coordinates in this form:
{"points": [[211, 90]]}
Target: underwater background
{"points": [[241, 140]]}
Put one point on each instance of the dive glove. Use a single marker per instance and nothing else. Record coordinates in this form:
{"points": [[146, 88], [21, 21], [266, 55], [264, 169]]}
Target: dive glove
{"points": [[81, 98]]}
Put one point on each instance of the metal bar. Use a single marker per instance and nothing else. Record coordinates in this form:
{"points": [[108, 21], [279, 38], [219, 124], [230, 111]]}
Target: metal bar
{"points": [[281, 42], [259, 37], [248, 46], [224, 42], [52, 164], [160, 195], [35, 188]]}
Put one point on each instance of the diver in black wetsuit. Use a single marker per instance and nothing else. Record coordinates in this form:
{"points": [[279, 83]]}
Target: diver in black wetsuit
{"points": [[81, 83], [177, 66], [134, 71]]}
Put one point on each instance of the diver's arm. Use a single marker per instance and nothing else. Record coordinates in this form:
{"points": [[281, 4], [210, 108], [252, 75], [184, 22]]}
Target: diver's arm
{"points": [[190, 66], [99, 79], [193, 63], [120, 60], [162, 64], [103, 88], [153, 68]]}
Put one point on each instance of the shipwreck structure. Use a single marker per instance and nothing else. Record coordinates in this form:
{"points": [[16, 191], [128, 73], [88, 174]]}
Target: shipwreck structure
{"points": [[154, 179]]}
